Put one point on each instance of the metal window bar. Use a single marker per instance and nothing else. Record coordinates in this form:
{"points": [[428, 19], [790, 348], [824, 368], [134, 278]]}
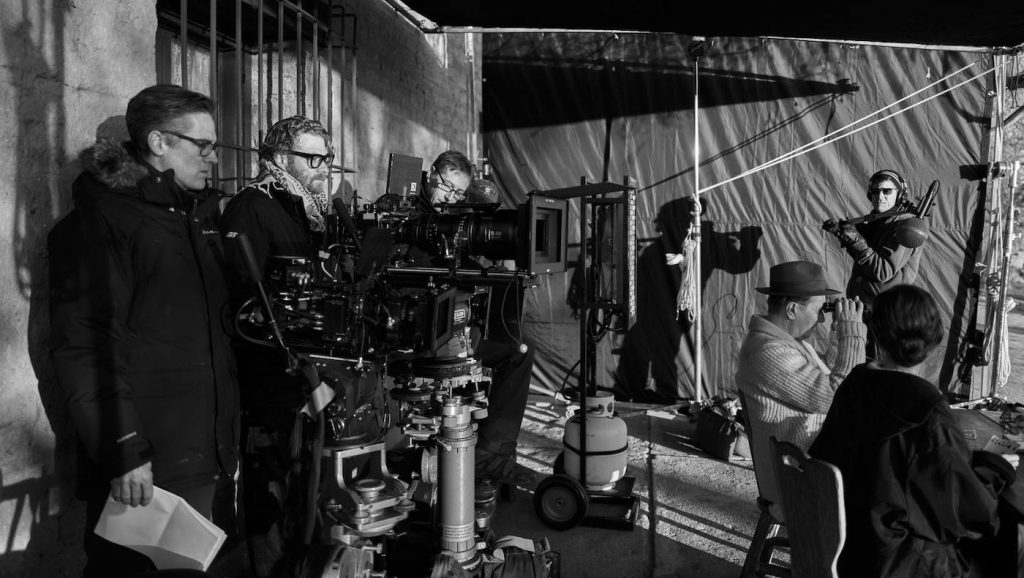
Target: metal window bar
{"points": [[183, 35], [280, 60], [328, 25], [240, 159], [259, 71]]}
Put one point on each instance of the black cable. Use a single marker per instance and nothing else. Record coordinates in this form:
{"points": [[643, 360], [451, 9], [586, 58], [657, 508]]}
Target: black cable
{"points": [[561, 390]]}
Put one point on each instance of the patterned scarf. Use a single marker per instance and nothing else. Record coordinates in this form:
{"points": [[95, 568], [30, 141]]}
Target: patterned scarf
{"points": [[315, 203]]}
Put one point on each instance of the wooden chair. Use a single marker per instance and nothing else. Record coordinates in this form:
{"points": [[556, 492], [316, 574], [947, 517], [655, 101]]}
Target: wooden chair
{"points": [[767, 540], [812, 503]]}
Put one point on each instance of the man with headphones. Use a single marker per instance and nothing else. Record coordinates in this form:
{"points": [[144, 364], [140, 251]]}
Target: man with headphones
{"points": [[878, 245]]}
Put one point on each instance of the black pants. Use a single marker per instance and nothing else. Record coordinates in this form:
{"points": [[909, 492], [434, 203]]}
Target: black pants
{"points": [[105, 559], [510, 389], [273, 486]]}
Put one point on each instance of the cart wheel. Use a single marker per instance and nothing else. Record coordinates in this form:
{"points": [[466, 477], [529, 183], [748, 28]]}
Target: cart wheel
{"points": [[559, 465], [560, 502]]}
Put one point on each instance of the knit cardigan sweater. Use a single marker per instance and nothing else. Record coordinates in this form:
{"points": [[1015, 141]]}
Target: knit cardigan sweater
{"points": [[787, 389]]}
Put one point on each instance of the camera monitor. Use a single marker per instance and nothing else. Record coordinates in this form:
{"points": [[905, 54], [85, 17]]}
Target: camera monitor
{"points": [[405, 173], [545, 223]]}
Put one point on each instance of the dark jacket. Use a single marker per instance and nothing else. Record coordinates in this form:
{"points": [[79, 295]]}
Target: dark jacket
{"points": [[138, 304], [275, 223], [880, 261], [913, 500]]}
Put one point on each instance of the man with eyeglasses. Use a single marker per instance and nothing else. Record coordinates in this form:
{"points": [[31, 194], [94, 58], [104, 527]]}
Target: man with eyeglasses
{"points": [[137, 340], [504, 350], [282, 213], [881, 259]]}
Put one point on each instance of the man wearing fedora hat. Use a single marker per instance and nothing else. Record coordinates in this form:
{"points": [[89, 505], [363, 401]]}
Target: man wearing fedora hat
{"points": [[787, 387]]}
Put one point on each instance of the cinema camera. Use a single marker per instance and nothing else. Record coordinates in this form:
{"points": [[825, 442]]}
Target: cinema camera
{"points": [[383, 320]]}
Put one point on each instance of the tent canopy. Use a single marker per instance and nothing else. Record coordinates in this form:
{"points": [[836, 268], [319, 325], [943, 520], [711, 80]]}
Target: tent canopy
{"points": [[975, 24], [603, 105]]}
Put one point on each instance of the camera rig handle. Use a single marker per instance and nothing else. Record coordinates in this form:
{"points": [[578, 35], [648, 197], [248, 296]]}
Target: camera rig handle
{"points": [[257, 277]]}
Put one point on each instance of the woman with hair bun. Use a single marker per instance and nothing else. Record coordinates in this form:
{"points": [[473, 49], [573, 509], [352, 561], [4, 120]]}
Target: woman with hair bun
{"points": [[918, 501]]}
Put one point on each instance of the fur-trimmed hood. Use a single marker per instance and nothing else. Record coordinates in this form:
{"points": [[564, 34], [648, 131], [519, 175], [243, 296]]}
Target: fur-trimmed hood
{"points": [[112, 164]]}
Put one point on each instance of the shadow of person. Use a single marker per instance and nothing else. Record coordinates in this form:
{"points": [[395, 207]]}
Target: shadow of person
{"points": [[654, 365], [43, 514]]}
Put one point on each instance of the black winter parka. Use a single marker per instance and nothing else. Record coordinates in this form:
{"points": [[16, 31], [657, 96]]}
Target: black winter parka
{"points": [[138, 340], [917, 502]]}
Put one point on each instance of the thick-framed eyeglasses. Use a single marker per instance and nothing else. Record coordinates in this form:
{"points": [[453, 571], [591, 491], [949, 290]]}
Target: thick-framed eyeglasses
{"points": [[314, 160], [449, 188], [880, 191], [205, 146]]}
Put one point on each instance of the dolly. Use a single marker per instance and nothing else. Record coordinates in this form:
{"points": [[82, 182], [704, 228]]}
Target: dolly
{"points": [[597, 493]]}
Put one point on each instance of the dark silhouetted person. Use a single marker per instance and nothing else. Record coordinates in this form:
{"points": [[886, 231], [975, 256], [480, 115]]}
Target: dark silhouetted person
{"points": [[915, 502]]}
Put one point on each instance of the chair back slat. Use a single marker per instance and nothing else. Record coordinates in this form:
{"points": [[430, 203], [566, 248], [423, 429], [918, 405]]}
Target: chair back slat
{"points": [[761, 455], [812, 500]]}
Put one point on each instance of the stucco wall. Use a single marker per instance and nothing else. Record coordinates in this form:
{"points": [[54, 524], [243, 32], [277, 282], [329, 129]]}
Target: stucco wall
{"points": [[63, 75]]}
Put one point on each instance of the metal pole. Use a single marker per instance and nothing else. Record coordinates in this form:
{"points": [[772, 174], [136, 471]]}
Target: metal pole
{"points": [[240, 157], [1000, 320], [698, 330], [354, 93], [316, 64], [300, 82], [342, 94], [280, 61], [214, 93], [259, 72], [584, 381], [330, 90], [184, 43], [213, 51]]}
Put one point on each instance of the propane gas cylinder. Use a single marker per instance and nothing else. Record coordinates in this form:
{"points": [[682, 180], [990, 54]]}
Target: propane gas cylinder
{"points": [[606, 444]]}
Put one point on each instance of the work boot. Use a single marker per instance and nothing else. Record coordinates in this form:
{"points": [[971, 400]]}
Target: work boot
{"points": [[504, 469]]}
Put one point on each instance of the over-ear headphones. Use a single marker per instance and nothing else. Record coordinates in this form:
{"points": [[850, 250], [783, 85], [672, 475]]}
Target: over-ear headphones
{"points": [[894, 177]]}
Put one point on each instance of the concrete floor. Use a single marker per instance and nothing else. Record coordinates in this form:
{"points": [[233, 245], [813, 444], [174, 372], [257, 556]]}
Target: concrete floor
{"points": [[696, 515]]}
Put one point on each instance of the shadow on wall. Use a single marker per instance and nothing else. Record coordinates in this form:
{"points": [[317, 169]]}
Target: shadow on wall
{"points": [[653, 365], [44, 517]]}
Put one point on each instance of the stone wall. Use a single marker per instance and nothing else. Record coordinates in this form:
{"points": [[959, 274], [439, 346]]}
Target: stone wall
{"points": [[67, 70]]}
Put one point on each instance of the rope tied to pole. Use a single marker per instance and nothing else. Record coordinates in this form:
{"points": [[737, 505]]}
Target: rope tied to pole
{"points": [[687, 298]]}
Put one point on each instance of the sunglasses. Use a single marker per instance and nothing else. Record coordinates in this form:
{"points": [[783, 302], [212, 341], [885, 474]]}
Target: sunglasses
{"points": [[880, 191], [205, 146], [314, 160]]}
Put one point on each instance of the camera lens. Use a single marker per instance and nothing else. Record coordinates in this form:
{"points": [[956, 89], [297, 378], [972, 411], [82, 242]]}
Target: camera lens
{"points": [[828, 307]]}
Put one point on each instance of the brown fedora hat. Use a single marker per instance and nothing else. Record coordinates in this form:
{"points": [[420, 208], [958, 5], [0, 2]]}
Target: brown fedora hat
{"points": [[797, 279]]}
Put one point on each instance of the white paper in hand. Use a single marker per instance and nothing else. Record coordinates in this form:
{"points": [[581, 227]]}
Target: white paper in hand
{"points": [[168, 530]]}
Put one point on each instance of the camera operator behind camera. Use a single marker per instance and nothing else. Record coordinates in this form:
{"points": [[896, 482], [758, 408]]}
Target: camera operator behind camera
{"points": [[282, 212], [503, 351], [884, 254]]}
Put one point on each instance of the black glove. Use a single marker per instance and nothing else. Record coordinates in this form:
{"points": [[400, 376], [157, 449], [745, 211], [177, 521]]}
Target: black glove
{"points": [[846, 233]]}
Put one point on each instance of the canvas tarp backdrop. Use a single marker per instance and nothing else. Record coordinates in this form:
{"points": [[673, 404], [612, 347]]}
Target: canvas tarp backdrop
{"points": [[558, 107]]}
